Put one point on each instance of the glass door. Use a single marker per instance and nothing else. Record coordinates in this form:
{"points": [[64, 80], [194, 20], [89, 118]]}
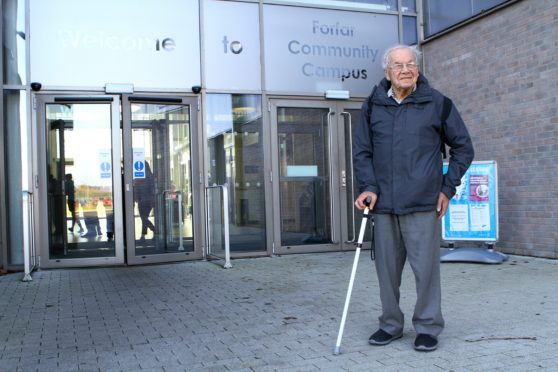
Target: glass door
{"points": [[159, 164], [312, 175], [78, 180]]}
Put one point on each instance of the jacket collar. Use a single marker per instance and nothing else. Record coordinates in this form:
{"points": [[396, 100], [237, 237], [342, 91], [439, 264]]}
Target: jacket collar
{"points": [[422, 93]]}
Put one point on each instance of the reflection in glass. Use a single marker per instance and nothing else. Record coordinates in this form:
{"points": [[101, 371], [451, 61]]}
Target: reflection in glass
{"points": [[304, 175], [162, 174], [79, 171], [234, 136], [13, 43]]}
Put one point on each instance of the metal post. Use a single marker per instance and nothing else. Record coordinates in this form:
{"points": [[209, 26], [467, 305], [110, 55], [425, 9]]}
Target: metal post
{"points": [[27, 237], [225, 211]]}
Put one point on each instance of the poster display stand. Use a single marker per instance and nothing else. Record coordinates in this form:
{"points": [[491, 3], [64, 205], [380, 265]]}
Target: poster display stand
{"points": [[472, 215]]}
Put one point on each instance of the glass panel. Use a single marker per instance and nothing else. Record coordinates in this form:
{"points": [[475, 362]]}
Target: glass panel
{"points": [[409, 30], [303, 143], [234, 136], [442, 14], [216, 242], [14, 119], [439, 15], [480, 6], [365, 4], [162, 178], [80, 190], [409, 6], [354, 216], [13, 43]]}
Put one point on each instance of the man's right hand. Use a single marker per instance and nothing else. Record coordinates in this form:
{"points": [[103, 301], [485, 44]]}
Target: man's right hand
{"points": [[359, 202]]}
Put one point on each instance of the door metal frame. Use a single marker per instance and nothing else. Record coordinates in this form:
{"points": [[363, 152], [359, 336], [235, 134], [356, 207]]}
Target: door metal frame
{"points": [[40, 179], [337, 155], [197, 192], [345, 156]]}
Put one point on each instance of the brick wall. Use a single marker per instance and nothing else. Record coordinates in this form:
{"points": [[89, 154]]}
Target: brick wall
{"points": [[502, 73]]}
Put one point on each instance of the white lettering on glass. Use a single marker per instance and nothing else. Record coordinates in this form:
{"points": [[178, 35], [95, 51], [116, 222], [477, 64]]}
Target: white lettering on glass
{"points": [[101, 40]]}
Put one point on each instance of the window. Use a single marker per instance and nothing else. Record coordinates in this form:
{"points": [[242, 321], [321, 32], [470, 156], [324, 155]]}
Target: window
{"points": [[409, 30], [442, 14], [382, 5]]}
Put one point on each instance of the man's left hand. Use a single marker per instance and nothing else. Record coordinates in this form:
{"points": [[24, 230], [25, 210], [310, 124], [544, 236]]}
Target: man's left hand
{"points": [[442, 206]]}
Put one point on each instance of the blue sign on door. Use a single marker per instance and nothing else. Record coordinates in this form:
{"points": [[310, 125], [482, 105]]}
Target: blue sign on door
{"points": [[105, 169], [139, 169]]}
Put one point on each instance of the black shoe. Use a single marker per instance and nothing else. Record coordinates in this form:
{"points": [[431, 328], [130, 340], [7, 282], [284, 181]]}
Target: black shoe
{"points": [[425, 342], [71, 229], [381, 337]]}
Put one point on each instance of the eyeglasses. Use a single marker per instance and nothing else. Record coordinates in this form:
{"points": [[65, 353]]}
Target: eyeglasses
{"points": [[397, 67]]}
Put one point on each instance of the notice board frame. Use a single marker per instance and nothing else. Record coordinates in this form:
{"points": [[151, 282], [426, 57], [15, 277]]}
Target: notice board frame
{"points": [[472, 213]]}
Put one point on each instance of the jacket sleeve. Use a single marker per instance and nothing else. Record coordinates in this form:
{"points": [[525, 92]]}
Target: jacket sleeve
{"points": [[363, 153], [461, 152]]}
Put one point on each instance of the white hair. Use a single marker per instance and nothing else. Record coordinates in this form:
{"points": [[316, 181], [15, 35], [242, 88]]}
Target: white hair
{"points": [[413, 49]]}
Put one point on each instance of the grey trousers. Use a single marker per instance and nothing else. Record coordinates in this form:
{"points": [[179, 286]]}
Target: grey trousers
{"points": [[415, 236]]}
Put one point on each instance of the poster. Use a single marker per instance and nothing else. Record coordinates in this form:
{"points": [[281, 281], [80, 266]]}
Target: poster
{"points": [[105, 163], [473, 212], [138, 159]]}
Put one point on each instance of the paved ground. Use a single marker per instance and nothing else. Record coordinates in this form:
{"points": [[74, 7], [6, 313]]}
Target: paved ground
{"points": [[272, 314]]}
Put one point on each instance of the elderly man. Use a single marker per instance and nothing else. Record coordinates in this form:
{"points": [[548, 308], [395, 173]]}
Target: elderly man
{"points": [[398, 164]]}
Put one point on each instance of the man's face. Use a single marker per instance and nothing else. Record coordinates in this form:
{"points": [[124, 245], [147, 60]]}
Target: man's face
{"points": [[402, 69]]}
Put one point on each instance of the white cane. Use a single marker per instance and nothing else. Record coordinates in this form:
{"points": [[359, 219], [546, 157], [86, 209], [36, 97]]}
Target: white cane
{"points": [[337, 349]]}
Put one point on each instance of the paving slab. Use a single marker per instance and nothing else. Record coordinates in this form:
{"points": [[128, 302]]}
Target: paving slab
{"points": [[278, 313]]}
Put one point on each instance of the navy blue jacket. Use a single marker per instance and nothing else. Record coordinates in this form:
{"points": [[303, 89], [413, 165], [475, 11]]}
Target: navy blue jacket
{"points": [[396, 151]]}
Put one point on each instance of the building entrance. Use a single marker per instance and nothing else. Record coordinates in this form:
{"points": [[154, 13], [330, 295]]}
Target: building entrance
{"points": [[114, 180], [313, 184]]}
